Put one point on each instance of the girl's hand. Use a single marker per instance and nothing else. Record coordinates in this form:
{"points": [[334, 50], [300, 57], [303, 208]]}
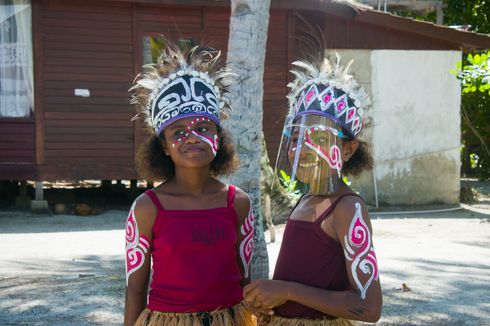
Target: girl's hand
{"points": [[266, 294]]}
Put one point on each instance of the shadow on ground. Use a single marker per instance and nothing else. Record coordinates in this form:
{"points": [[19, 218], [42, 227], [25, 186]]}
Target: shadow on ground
{"points": [[76, 299]]}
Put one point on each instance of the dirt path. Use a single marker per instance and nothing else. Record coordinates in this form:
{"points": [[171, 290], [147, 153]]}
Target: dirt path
{"points": [[68, 270]]}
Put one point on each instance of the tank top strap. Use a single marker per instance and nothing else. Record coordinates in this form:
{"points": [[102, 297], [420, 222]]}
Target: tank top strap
{"points": [[150, 193], [332, 207], [297, 203], [230, 199]]}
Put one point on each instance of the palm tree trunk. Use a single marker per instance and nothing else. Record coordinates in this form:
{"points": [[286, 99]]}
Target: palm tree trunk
{"points": [[246, 54]]}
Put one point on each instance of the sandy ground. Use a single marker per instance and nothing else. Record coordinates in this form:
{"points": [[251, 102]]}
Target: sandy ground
{"points": [[69, 270]]}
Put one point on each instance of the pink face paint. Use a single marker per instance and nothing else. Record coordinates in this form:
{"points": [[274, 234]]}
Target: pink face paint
{"points": [[247, 244], [211, 142], [136, 246], [179, 140], [333, 157], [359, 250]]}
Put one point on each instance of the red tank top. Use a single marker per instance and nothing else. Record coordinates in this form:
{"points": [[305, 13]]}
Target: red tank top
{"points": [[309, 256], [194, 259]]}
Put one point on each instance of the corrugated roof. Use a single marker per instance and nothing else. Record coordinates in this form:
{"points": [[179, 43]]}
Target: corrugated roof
{"points": [[467, 40]]}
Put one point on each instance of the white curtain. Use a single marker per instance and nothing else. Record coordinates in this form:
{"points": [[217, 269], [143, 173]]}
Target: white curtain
{"points": [[16, 68]]}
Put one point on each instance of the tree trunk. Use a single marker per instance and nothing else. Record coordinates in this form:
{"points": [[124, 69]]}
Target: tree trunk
{"points": [[246, 54]]}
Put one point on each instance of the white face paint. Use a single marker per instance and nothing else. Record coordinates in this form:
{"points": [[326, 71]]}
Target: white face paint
{"points": [[359, 250], [247, 244], [136, 246]]}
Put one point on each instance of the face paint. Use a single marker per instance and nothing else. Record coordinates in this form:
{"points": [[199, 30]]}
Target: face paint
{"points": [[333, 157], [247, 244], [212, 142], [359, 250], [136, 246], [309, 158]]}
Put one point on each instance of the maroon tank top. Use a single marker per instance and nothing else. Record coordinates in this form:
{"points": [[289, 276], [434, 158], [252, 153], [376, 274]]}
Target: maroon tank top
{"points": [[194, 259], [310, 256]]}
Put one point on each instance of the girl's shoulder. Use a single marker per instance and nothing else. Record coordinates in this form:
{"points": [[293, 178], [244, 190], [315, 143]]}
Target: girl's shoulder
{"points": [[348, 208], [241, 197], [240, 194], [242, 202], [144, 208]]}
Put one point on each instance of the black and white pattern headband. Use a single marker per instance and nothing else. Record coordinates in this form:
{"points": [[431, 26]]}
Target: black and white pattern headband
{"points": [[187, 94]]}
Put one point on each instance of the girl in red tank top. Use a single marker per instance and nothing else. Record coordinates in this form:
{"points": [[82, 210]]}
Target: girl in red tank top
{"points": [[326, 272], [194, 233]]}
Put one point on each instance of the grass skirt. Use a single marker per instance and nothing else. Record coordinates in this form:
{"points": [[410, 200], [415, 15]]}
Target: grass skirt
{"points": [[281, 321], [236, 316]]}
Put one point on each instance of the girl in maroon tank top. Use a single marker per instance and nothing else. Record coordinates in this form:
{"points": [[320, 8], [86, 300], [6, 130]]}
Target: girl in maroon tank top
{"points": [[326, 272], [194, 233]]}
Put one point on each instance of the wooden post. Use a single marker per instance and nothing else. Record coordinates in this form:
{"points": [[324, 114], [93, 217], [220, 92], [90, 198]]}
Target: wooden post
{"points": [[133, 184], [39, 205]]}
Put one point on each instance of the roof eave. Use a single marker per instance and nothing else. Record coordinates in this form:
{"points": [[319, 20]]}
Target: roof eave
{"points": [[466, 40]]}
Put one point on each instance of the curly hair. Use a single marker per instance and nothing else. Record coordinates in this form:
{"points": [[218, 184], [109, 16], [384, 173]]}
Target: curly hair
{"points": [[153, 165], [360, 161]]}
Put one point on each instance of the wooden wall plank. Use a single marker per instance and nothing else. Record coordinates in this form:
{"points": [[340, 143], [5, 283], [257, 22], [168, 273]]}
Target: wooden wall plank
{"points": [[106, 116], [85, 130], [17, 142], [88, 100], [80, 107], [87, 145], [88, 123]]}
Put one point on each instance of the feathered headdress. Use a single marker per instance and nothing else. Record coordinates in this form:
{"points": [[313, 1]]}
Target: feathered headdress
{"points": [[328, 90], [181, 84]]}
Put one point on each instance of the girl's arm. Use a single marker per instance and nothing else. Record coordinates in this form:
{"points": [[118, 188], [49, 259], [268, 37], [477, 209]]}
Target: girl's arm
{"points": [[138, 257], [245, 234], [364, 301]]}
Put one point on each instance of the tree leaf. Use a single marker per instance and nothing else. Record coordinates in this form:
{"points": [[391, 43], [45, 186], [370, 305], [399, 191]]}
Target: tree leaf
{"points": [[477, 59]]}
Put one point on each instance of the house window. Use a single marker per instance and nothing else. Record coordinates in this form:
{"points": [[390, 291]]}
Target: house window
{"points": [[153, 46], [16, 69]]}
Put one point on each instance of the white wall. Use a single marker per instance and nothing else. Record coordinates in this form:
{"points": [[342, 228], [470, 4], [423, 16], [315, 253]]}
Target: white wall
{"points": [[415, 133]]}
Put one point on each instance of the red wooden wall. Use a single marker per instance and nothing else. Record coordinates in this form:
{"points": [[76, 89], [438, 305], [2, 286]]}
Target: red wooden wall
{"points": [[86, 45]]}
